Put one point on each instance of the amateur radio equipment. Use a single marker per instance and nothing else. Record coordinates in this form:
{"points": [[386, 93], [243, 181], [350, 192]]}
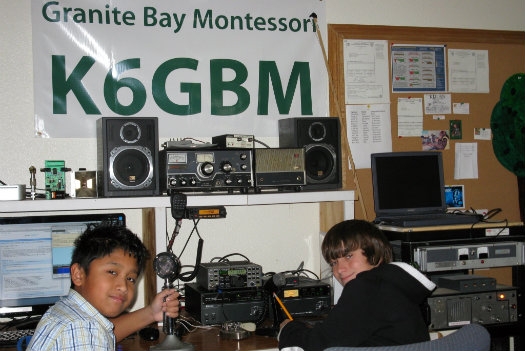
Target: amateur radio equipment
{"points": [[55, 176], [451, 309], [213, 307], [229, 275], [205, 212], [467, 282], [469, 256], [302, 296], [206, 170], [279, 168], [236, 141]]}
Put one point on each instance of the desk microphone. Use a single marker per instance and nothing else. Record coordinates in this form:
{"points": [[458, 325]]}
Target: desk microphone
{"points": [[167, 266]]}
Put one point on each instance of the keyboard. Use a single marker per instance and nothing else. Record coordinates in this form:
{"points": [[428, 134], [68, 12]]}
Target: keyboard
{"points": [[9, 338], [431, 220]]}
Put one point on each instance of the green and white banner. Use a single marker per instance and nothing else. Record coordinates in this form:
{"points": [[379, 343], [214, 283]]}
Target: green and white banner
{"points": [[203, 67]]}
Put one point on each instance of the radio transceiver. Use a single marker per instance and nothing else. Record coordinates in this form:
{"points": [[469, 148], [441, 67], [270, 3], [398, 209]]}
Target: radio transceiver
{"points": [[206, 170], [212, 307], [229, 275], [205, 212], [451, 308]]}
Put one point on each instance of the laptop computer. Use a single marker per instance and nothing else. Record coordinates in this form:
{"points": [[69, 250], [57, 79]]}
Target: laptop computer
{"points": [[409, 190]]}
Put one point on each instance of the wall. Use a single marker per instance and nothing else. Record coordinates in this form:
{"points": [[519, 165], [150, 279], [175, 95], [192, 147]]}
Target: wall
{"points": [[495, 187], [21, 150]]}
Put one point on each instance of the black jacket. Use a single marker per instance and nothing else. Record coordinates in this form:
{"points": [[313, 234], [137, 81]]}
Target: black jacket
{"points": [[379, 307]]}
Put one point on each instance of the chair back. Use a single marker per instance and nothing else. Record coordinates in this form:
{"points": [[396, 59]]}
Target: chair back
{"points": [[470, 337]]}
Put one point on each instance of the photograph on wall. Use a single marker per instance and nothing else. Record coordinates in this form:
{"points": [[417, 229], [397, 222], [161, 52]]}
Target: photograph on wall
{"points": [[455, 129], [435, 140], [455, 196]]}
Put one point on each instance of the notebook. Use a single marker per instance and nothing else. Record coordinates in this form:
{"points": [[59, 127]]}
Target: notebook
{"points": [[409, 190]]}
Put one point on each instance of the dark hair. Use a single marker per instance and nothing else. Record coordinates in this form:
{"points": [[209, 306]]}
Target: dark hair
{"points": [[100, 241], [354, 234]]}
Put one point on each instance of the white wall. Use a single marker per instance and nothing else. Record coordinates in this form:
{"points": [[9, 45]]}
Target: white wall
{"points": [[277, 237], [470, 14]]}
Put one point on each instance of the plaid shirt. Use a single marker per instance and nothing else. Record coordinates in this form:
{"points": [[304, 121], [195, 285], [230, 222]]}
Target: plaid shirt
{"points": [[73, 324]]}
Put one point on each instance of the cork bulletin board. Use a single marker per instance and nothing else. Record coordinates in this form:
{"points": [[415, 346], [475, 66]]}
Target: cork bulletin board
{"points": [[495, 187]]}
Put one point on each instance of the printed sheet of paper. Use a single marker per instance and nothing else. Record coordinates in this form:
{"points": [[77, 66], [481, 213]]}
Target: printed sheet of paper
{"points": [[409, 117], [438, 104], [466, 163], [468, 71], [366, 71], [369, 131]]}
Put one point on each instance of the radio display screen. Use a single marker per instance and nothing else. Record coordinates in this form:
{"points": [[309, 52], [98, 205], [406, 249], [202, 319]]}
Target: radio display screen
{"points": [[237, 271]]}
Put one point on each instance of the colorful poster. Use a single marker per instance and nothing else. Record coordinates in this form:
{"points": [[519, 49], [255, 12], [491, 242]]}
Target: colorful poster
{"points": [[418, 68]]}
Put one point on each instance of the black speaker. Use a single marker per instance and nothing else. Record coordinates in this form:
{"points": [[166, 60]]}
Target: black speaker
{"points": [[321, 139], [127, 156]]}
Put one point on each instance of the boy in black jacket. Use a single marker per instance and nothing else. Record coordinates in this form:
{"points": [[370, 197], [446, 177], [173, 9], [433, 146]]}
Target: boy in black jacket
{"points": [[380, 302]]}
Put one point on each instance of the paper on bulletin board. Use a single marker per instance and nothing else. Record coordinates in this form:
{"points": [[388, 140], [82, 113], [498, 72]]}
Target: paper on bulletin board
{"points": [[482, 133], [366, 71], [409, 117], [368, 131], [418, 68], [466, 163], [461, 108], [438, 104], [468, 71]]}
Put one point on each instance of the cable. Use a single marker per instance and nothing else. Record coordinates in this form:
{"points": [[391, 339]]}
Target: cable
{"points": [[224, 258], [260, 142], [344, 134]]}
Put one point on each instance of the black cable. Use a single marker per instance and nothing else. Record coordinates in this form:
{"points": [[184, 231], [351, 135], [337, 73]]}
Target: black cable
{"points": [[260, 142], [193, 274], [224, 258]]}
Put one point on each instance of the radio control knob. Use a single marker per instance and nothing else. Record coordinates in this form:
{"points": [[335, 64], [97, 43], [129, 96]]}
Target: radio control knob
{"points": [[172, 181], [243, 156], [226, 167], [183, 182], [228, 181], [244, 166], [193, 181], [207, 169]]}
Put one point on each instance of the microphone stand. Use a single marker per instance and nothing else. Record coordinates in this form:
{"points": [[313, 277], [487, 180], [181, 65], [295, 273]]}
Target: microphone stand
{"points": [[167, 267], [171, 341]]}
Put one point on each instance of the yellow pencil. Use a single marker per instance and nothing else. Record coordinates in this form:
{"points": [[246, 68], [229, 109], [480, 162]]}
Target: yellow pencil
{"points": [[282, 306]]}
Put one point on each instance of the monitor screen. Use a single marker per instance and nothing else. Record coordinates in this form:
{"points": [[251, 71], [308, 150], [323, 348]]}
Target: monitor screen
{"points": [[408, 182], [35, 254]]}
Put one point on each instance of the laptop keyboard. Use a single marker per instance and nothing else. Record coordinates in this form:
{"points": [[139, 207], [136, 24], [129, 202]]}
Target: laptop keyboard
{"points": [[9, 338], [430, 220]]}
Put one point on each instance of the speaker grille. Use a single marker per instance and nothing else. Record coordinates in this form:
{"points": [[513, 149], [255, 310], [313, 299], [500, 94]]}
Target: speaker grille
{"points": [[320, 136], [132, 167], [127, 156], [279, 160], [321, 163]]}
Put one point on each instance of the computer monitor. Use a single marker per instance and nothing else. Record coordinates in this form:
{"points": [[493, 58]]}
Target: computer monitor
{"points": [[35, 254], [409, 182]]}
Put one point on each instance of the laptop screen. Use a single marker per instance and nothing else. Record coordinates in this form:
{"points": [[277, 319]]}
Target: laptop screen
{"points": [[408, 183]]}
